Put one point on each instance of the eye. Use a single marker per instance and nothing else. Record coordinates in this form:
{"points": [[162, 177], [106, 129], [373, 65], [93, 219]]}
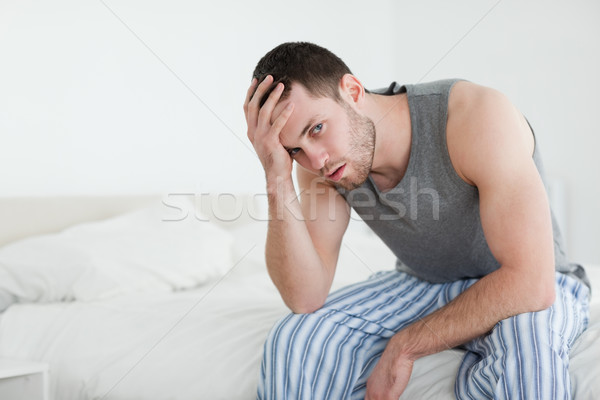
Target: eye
{"points": [[313, 132], [317, 129]]}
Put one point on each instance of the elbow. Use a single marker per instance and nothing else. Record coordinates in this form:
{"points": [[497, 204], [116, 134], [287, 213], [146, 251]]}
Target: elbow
{"points": [[304, 299], [535, 289], [547, 298], [304, 306], [304, 310], [544, 297]]}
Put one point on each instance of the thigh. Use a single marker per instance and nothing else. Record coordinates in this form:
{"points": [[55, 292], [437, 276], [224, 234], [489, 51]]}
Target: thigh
{"points": [[527, 356], [331, 352], [391, 299], [318, 355]]}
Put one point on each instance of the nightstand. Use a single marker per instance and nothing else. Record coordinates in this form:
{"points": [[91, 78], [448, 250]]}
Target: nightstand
{"points": [[26, 380]]}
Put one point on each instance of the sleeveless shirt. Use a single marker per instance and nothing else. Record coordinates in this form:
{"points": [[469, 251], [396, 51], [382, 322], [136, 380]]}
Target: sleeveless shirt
{"points": [[430, 219]]}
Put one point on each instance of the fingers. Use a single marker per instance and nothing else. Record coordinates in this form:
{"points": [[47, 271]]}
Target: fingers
{"points": [[259, 117], [251, 90], [266, 111], [281, 120], [254, 97]]}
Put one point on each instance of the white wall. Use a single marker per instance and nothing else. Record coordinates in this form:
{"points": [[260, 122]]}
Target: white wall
{"points": [[123, 97], [91, 106]]}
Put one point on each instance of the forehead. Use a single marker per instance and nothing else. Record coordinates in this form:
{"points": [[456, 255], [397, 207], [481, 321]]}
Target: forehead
{"points": [[306, 108]]}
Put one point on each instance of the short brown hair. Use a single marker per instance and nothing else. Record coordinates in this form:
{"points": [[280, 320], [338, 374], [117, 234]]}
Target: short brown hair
{"points": [[312, 66]]}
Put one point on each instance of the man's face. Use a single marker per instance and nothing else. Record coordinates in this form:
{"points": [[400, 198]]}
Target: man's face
{"points": [[327, 138]]}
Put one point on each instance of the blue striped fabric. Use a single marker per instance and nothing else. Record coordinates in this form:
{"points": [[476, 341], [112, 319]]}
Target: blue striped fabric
{"points": [[522, 358], [329, 354]]}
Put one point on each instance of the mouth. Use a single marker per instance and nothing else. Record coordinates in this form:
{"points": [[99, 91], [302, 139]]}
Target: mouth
{"points": [[337, 174]]}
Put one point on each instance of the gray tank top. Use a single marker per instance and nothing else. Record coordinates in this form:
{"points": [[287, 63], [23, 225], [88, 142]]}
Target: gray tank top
{"points": [[431, 220]]}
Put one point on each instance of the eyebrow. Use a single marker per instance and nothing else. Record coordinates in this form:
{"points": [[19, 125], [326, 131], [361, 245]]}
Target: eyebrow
{"points": [[310, 123]]}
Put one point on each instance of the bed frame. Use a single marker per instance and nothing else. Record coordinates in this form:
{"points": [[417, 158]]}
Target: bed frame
{"points": [[21, 217]]}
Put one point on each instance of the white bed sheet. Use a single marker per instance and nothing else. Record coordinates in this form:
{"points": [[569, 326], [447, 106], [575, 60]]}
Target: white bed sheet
{"points": [[207, 343]]}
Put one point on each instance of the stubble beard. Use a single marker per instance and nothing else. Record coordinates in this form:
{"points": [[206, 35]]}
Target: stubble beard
{"points": [[362, 149]]}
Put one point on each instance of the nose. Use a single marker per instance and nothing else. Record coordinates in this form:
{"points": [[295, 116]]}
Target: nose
{"points": [[317, 157]]}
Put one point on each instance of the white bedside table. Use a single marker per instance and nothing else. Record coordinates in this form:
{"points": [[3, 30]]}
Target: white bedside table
{"points": [[25, 380]]}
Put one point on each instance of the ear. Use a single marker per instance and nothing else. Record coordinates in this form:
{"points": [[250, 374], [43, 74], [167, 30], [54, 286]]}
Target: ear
{"points": [[352, 90]]}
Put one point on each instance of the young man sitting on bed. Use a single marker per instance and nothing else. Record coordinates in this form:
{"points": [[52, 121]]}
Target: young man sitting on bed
{"points": [[448, 175]]}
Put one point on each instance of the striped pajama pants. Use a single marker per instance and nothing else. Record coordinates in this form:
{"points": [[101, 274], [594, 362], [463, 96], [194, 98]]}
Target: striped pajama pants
{"points": [[329, 354]]}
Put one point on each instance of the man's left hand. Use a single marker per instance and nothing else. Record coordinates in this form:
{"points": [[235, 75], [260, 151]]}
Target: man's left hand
{"points": [[390, 376]]}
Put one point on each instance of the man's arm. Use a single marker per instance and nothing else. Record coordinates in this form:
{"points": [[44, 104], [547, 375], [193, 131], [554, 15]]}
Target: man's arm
{"points": [[304, 239], [302, 242], [491, 147]]}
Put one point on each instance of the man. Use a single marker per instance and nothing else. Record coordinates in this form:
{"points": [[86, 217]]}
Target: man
{"points": [[448, 175]]}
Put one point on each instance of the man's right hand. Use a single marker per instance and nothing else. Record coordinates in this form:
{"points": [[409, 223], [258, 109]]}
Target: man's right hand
{"points": [[264, 134]]}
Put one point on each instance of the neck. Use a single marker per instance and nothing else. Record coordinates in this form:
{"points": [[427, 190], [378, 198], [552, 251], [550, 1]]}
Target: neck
{"points": [[391, 117]]}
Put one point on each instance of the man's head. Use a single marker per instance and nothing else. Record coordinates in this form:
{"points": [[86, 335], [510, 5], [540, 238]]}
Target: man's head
{"points": [[312, 66], [327, 133]]}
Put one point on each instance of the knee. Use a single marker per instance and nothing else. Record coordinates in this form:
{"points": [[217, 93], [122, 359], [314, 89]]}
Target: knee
{"points": [[518, 359], [291, 333]]}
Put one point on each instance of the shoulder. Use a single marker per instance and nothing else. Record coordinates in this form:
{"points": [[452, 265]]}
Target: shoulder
{"points": [[469, 96], [484, 129]]}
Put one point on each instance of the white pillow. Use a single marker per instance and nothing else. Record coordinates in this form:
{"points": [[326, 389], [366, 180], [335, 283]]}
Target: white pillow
{"points": [[140, 251]]}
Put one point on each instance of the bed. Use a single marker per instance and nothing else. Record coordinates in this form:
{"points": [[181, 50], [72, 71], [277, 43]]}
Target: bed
{"points": [[167, 297]]}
